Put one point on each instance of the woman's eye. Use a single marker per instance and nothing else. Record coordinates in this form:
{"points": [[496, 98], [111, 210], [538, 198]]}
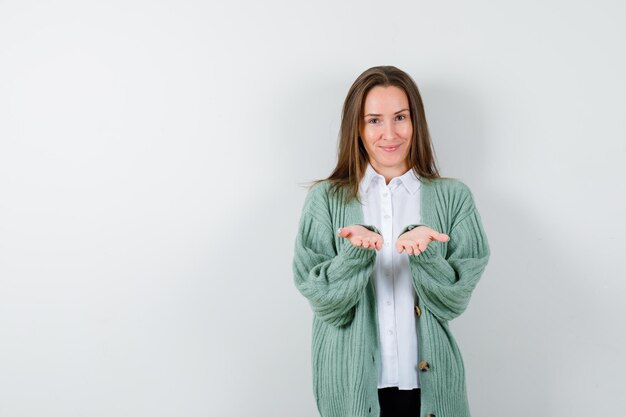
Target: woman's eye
{"points": [[401, 117], [373, 121]]}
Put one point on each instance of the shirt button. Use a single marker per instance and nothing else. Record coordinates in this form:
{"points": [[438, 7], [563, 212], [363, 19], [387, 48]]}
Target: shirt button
{"points": [[387, 216], [388, 303], [390, 332], [385, 194], [424, 366]]}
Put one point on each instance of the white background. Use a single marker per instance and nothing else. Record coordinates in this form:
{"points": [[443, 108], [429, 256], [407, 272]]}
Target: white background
{"points": [[152, 157]]}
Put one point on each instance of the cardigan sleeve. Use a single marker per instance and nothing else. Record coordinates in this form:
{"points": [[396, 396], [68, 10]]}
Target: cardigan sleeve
{"points": [[333, 281], [445, 284]]}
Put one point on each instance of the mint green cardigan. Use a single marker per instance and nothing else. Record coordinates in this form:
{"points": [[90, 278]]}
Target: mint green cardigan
{"points": [[335, 277]]}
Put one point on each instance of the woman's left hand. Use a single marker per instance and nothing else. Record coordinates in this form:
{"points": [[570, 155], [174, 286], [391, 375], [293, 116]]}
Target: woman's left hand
{"points": [[416, 241]]}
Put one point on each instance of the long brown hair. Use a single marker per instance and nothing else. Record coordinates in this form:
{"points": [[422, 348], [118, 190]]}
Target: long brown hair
{"points": [[352, 155]]}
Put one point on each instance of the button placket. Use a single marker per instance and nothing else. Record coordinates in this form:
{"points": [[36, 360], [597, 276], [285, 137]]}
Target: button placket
{"points": [[386, 222]]}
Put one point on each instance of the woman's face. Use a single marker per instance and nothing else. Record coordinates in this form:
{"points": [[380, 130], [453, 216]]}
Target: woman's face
{"points": [[386, 128]]}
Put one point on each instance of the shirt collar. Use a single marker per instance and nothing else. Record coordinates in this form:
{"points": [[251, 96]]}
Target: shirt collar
{"points": [[409, 180]]}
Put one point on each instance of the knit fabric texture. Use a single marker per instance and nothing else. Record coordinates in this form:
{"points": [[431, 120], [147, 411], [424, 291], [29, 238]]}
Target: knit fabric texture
{"points": [[335, 277]]}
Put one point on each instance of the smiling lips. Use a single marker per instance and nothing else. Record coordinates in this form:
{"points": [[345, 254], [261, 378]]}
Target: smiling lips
{"points": [[390, 148]]}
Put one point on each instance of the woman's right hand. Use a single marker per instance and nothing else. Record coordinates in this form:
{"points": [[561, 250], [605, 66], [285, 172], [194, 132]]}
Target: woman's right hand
{"points": [[361, 236]]}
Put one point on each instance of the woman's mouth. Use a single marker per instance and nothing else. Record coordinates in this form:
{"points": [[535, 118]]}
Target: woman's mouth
{"points": [[390, 148]]}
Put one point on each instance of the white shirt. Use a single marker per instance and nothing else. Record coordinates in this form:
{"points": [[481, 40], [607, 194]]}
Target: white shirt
{"points": [[390, 208]]}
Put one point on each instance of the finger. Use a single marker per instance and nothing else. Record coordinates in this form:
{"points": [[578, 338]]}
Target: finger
{"points": [[418, 249], [344, 232], [365, 243], [442, 237]]}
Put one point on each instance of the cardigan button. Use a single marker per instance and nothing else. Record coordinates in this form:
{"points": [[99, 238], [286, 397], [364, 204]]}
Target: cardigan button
{"points": [[418, 311], [424, 366], [430, 415]]}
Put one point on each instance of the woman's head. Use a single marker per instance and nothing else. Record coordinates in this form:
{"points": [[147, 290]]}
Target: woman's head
{"points": [[386, 130], [383, 107]]}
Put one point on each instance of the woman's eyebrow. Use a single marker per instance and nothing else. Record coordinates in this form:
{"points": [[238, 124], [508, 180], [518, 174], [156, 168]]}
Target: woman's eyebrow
{"points": [[373, 114]]}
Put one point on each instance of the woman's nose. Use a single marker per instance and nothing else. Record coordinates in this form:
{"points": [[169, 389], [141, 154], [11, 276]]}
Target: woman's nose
{"points": [[389, 131]]}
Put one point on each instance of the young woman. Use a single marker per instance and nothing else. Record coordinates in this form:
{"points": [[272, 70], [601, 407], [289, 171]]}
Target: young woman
{"points": [[387, 253]]}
